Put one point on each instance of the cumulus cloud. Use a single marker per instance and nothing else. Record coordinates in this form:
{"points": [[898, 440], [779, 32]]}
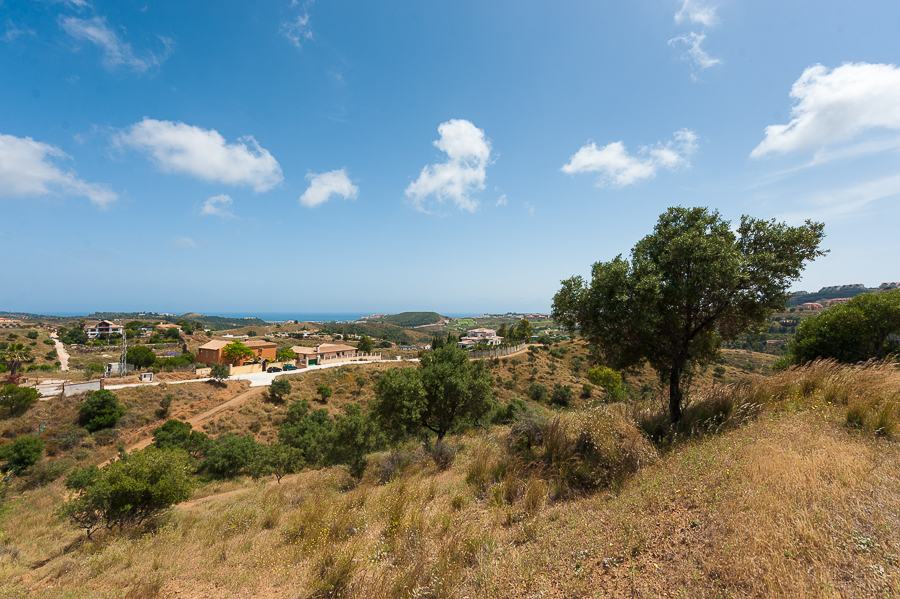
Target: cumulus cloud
{"points": [[324, 185], [834, 106], [693, 42], [502, 201], [698, 12], [27, 169], [618, 168], [468, 155], [116, 52], [204, 153], [218, 206], [185, 243]]}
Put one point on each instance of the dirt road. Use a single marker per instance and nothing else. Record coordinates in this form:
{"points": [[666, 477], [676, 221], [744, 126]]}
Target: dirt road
{"points": [[195, 421], [60, 351]]}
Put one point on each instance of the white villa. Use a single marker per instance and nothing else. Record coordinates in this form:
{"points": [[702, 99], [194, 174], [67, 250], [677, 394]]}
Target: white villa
{"points": [[476, 337]]}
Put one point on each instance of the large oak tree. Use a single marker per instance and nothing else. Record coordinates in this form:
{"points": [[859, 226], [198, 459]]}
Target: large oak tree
{"points": [[689, 285]]}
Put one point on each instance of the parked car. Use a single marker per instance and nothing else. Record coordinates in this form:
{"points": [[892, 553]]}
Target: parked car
{"points": [[273, 369], [290, 367]]}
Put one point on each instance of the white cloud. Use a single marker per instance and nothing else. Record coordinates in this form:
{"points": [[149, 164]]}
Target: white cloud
{"points": [[324, 185], [835, 204], [12, 31], [695, 51], [697, 12], [469, 153], [618, 168], [204, 153], [529, 208], [218, 206], [27, 169], [185, 243], [116, 52], [835, 106], [297, 30], [501, 201]]}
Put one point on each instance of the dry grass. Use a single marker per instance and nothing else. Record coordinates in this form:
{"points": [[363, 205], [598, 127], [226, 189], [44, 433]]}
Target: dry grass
{"points": [[792, 502]]}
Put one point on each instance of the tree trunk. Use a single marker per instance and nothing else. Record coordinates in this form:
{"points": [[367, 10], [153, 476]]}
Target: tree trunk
{"points": [[675, 395]]}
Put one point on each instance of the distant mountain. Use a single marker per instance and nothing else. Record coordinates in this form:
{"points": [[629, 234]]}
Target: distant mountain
{"points": [[412, 319], [210, 322]]}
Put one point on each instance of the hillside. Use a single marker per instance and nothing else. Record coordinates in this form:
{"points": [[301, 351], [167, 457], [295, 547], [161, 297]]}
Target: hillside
{"points": [[412, 319], [769, 467]]}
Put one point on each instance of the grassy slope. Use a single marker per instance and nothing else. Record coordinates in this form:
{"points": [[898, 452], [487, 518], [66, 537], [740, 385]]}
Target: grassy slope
{"points": [[789, 503]]}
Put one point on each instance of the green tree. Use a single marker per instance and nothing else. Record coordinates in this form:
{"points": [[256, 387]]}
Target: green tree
{"points": [[365, 345], [446, 391], [279, 389], [32, 334], [356, 436], [285, 354], [360, 383], [689, 285], [312, 432], [140, 356], [561, 395], [537, 393], [219, 372], [17, 399], [229, 455], [175, 434], [140, 485], [236, 351], [284, 460], [523, 331], [100, 410], [502, 332], [324, 392], [609, 380], [24, 452], [866, 327], [13, 356]]}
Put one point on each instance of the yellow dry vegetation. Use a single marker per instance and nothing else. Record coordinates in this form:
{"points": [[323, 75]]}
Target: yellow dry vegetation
{"points": [[775, 489]]}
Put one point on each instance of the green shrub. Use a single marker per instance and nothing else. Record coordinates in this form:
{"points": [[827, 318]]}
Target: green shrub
{"points": [[22, 453], [100, 410], [561, 395], [537, 393]]}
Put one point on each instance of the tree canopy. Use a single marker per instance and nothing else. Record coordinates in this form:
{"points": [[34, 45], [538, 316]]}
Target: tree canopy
{"points": [[17, 399], [140, 356], [138, 486], [866, 327], [236, 351], [445, 391], [689, 285], [100, 410]]}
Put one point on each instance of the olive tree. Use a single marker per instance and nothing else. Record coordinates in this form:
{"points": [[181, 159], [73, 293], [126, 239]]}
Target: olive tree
{"points": [[128, 491], [689, 285], [445, 391]]}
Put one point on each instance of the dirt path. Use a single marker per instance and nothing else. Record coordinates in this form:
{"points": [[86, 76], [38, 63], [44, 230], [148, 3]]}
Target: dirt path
{"points": [[60, 351], [194, 421]]}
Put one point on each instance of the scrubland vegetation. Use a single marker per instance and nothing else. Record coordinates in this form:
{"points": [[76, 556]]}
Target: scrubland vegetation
{"points": [[781, 485]]}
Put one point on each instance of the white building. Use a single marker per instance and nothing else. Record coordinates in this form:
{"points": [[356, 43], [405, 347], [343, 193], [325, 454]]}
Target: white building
{"points": [[104, 327], [480, 337]]}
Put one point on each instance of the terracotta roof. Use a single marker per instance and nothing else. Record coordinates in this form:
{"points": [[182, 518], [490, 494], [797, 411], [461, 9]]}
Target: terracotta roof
{"points": [[304, 351], [330, 347], [259, 343], [214, 344]]}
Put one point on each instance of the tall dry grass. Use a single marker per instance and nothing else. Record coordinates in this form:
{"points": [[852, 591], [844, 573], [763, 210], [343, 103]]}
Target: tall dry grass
{"points": [[792, 503], [868, 392]]}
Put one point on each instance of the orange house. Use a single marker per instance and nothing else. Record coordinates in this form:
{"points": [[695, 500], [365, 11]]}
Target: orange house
{"points": [[211, 352]]}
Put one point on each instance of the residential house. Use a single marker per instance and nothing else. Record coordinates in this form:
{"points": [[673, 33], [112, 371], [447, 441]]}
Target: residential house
{"points": [[104, 327], [479, 337], [211, 352], [311, 356]]}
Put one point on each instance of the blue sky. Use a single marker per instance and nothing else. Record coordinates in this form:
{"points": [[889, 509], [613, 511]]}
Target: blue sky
{"points": [[343, 155]]}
